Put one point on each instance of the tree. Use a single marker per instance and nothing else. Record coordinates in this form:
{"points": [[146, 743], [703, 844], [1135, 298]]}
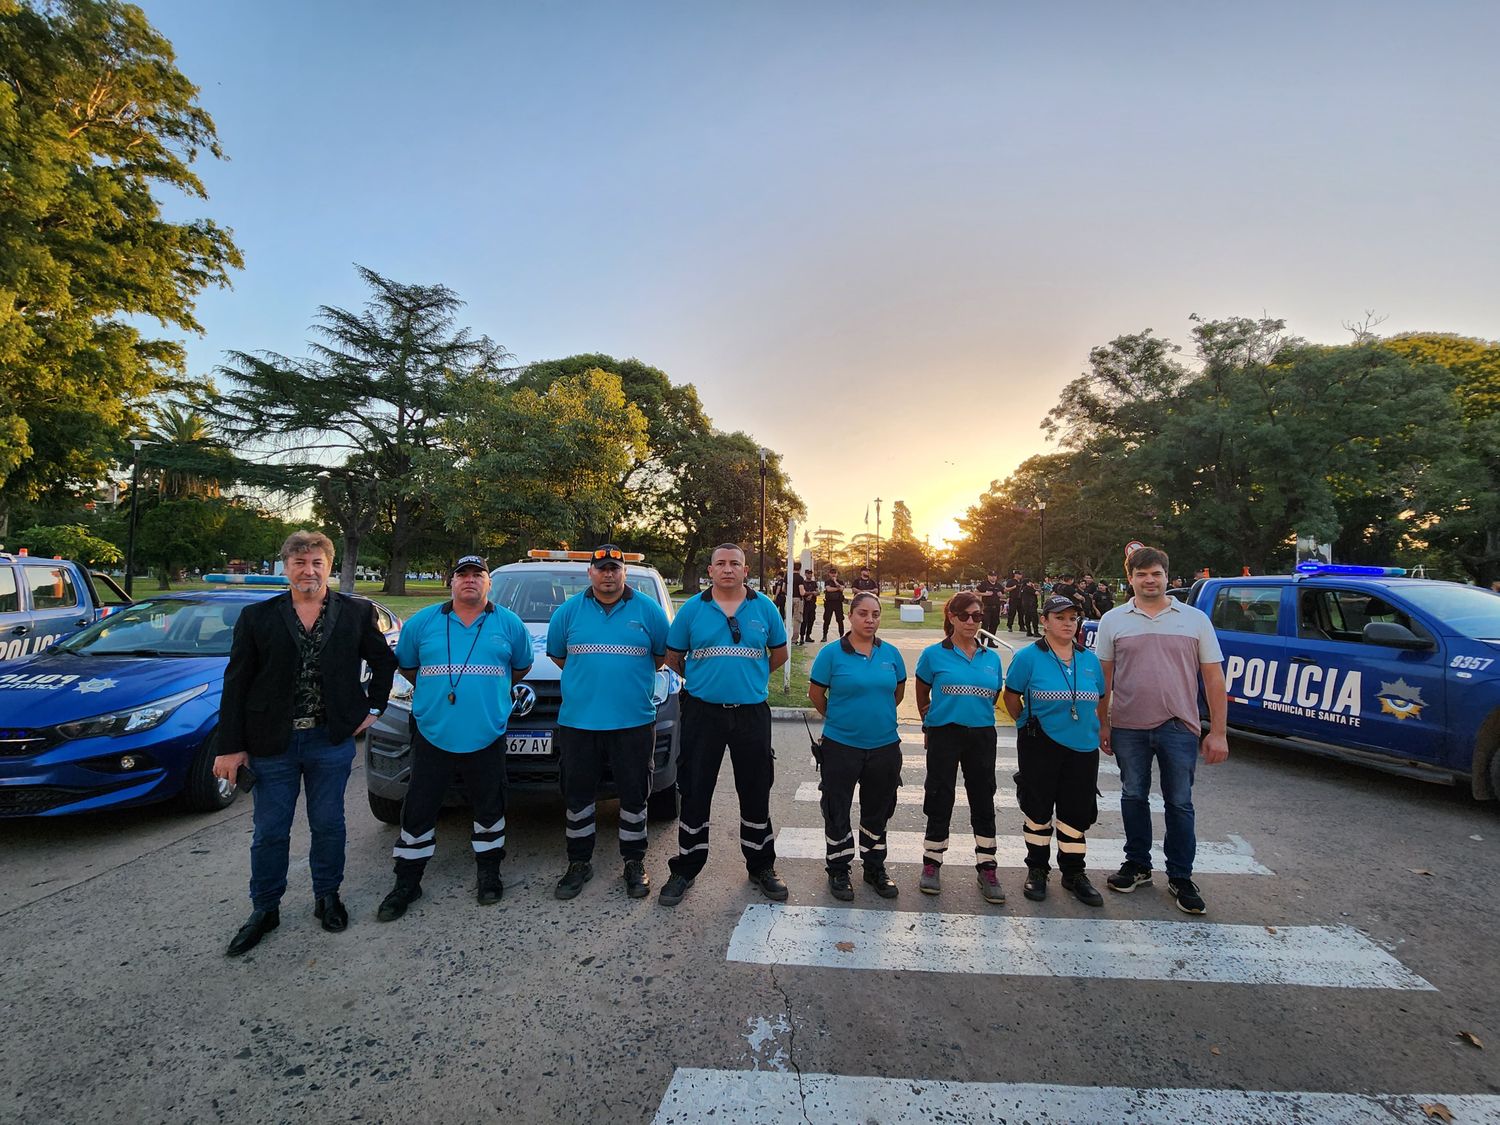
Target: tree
{"points": [[371, 399], [521, 468], [901, 521], [902, 560], [715, 495], [95, 120], [70, 541], [178, 534]]}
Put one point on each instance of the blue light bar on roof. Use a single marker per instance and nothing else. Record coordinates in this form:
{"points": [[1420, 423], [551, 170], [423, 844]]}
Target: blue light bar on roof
{"points": [[248, 579], [1350, 571]]}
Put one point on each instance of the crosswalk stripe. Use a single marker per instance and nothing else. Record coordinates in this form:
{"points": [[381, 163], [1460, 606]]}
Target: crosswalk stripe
{"points": [[775, 1097], [1109, 799], [931, 941], [1005, 766], [1214, 858]]}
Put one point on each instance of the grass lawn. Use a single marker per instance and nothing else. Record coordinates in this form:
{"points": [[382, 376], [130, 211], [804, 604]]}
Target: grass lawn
{"points": [[796, 696]]}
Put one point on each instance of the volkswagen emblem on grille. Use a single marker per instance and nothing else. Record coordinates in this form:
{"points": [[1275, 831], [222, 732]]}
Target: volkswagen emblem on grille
{"points": [[523, 699]]}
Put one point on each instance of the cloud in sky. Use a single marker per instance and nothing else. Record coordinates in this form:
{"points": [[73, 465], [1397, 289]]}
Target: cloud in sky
{"points": [[879, 237]]}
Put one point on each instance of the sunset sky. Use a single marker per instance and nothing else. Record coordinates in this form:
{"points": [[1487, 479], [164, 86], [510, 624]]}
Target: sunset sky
{"points": [[878, 237]]}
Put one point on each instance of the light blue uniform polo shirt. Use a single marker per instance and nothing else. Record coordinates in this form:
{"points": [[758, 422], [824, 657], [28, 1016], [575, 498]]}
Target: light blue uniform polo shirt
{"points": [[610, 654], [861, 693], [717, 668], [963, 690], [1048, 690], [481, 658]]}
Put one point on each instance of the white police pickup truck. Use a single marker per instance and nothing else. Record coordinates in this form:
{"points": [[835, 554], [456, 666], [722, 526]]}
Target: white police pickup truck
{"points": [[1363, 663], [44, 600]]}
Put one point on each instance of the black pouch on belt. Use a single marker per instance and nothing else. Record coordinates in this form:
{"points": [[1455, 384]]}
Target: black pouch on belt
{"points": [[817, 746]]}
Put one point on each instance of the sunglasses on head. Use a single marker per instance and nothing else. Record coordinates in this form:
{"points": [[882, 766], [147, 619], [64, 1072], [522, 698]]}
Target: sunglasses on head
{"points": [[610, 553], [968, 617]]}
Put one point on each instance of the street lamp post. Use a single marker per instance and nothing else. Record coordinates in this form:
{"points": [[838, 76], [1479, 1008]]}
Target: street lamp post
{"points": [[762, 519], [877, 544], [1041, 541], [135, 493]]}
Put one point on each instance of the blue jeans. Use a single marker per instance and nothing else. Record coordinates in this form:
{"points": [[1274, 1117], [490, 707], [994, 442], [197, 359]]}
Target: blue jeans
{"points": [[323, 767], [1175, 748]]}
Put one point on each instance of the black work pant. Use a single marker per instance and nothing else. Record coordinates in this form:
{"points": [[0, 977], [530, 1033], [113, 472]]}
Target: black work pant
{"points": [[833, 611], [584, 752], [809, 619], [1055, 784], [991, 616], [1012, 611], [950, 748], [877, 774], [432, 772], [1030, 622], [707, 729]]}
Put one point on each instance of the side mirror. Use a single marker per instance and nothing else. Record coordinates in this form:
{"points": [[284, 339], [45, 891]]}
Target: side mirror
{"points": [[1391, 635]]}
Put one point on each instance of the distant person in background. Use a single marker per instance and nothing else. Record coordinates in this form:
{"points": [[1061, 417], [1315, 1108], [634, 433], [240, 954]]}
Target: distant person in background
{"points": [[991, 591], [865, 582], [1030, 599], [796, 593], [1104, 599], [833, 601], [809, 605], [778, 591], [1012, 591], [958, 681], [856, 686]]}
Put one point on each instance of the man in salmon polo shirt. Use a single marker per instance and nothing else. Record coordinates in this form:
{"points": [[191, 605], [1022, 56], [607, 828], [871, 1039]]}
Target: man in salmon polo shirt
{"points": [[1154, 650]]}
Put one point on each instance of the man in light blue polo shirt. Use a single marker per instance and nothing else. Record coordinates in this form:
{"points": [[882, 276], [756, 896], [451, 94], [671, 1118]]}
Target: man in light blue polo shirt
{"points": [[609, 641], [460, 657], [726, 642]]}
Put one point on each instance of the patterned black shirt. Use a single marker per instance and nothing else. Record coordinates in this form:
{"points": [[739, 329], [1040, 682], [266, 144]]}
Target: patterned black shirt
{"points": [[308, 697]]}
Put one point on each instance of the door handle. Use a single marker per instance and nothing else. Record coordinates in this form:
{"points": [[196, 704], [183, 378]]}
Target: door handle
{"points": [[21, 630], [1304, 660]]}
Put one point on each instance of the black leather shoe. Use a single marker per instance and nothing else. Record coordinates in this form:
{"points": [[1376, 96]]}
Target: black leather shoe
{"points": [[260, 924], [637, 882], [1079, 886], [394, 904], [490, 889], [1035, 887], [330, 911], [676, 886], [771, 884], [838, 886], [884, 885], [577, 874]]}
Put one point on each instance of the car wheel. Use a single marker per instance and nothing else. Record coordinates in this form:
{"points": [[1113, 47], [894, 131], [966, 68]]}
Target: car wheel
{"points": [[662, 805], [203, 792], [386, 809]]}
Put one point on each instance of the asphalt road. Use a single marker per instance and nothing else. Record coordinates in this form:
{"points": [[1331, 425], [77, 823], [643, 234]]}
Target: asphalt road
{"points": [[1350, 941]]}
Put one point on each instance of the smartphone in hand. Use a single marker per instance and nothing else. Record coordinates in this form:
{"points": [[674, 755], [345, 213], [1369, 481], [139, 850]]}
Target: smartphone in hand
{"points": [[245, 779]]}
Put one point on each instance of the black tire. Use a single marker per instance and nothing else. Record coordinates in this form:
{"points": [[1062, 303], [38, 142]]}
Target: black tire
{"points": [[662, 805], [386, 809], [203, 792]]}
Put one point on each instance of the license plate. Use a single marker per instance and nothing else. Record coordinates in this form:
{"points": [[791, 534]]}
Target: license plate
{"points": [[532, 743]]}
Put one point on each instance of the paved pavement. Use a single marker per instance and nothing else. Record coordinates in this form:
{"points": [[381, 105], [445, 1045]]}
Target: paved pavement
{"points": [[1350, 940]]}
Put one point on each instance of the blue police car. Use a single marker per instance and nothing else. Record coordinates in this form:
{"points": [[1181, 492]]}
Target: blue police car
{"points": [[1366, 664], [124, 712]]}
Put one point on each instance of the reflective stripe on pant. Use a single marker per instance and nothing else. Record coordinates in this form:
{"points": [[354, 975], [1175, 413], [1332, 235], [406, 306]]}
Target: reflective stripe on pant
{"points": [[950, 747], [877, 774], [707, 729], [584, 753], [432, 772], [1055, 780]]}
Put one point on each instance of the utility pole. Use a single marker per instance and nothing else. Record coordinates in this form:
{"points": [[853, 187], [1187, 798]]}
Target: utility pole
{"points": [[135, 493], [762, 519], [877, 544]]}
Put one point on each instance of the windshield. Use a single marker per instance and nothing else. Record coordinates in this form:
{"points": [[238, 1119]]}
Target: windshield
{"points": [[162, 628], [1467, 610], [533, 593]]}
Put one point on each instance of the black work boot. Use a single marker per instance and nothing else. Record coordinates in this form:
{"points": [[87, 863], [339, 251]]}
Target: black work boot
{"points": [[394, 904], [489, 888]]}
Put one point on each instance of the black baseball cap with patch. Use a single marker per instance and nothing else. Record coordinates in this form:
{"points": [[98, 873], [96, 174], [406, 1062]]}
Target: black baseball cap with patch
{"points": [[475, 561], [1057, 603]]}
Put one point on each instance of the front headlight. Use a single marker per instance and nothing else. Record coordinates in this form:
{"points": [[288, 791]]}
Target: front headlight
{"points": [[131, 721]]}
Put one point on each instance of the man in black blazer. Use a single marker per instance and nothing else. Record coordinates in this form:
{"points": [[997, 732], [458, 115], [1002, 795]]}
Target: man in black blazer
{"points": [[293, 703]]}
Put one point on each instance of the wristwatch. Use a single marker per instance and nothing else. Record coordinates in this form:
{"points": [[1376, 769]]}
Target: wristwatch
{"points": [[375, 711]]}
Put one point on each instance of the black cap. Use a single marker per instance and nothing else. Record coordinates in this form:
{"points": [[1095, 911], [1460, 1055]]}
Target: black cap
{"points": [[1056, 603], [607, 555], [471, 560]]}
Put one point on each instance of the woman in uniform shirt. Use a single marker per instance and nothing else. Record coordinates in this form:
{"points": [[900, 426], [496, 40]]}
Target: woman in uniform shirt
{"points": [[856, 685], [1057, 696], [958, 682]]}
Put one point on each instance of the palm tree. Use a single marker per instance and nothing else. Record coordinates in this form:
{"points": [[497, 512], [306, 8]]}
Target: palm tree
{"points": [[185, 449]]}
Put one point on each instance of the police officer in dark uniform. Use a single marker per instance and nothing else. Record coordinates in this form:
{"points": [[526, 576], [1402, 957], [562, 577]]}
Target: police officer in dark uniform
{"points": [[833, 601], [1012, 592], [1104, 599], [809, 605], [865, 582], [1031, 596], [1064, 587], [990, 590]]}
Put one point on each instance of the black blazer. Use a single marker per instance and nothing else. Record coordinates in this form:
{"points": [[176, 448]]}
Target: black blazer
{"points": [[255, 713]]}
